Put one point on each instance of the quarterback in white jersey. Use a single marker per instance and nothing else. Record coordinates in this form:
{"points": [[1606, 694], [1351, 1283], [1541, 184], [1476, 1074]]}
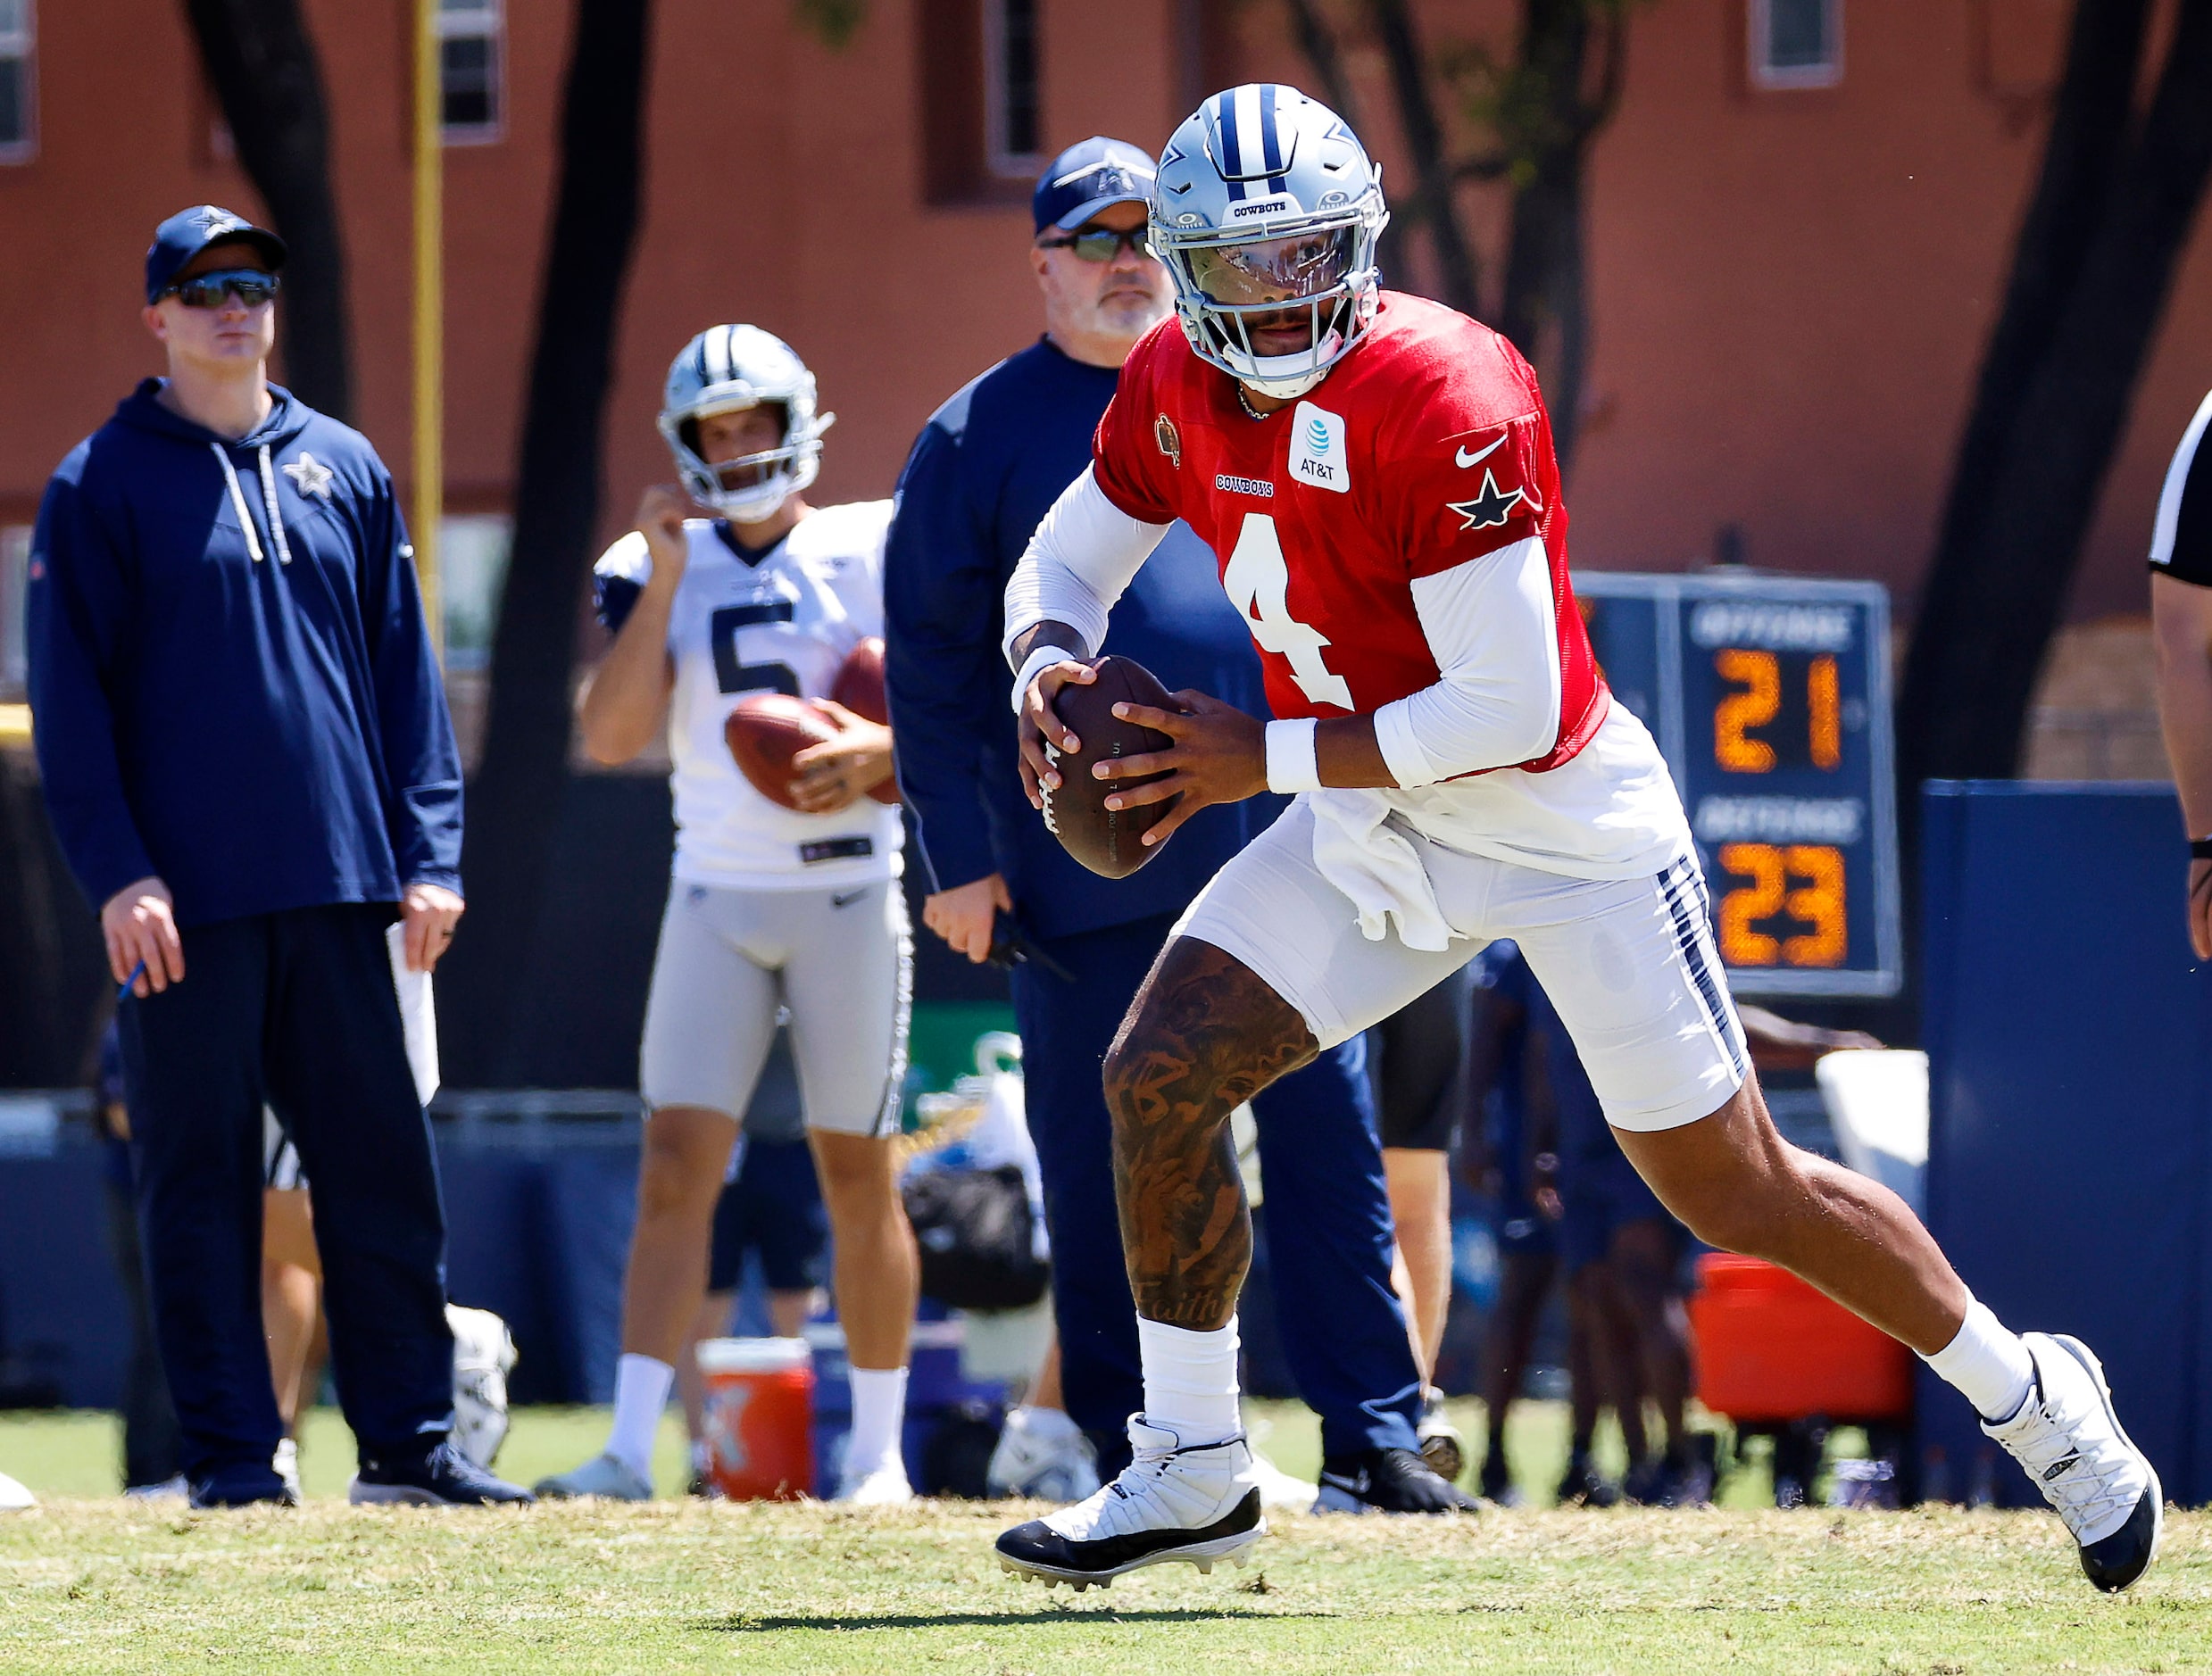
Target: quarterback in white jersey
{"points": [[772, 911]]}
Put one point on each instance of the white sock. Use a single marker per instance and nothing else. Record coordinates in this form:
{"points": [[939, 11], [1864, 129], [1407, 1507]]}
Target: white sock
{"points": [[1189, 1380], [641, 1391], [878, 1415], [1987, 1364]]}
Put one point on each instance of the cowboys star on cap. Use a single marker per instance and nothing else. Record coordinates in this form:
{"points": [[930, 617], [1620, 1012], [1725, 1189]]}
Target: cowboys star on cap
{"points": [[1490, 508], [312, 475]]}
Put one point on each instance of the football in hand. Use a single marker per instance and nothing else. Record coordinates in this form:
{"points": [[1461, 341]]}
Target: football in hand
{"points": [[765, 731], [859, 687], [1110, 841]]}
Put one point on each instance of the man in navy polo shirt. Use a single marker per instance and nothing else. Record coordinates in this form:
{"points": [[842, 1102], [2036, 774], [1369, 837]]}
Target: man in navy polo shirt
{"points": [[247, 757], [981, 475]]}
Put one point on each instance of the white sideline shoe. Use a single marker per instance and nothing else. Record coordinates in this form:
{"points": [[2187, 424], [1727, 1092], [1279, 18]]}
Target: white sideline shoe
{"points": [[1278, 1490], [14, 1497], [1044, 1454], [484, 1354], [177, 1488], [603, 1476], [886, 1487], [1195, 1502], [286, 1463], [2068, 1439]]}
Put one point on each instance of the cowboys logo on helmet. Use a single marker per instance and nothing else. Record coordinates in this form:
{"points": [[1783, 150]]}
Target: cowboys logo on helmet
{"points": [[726, 368], [1266, 213]]}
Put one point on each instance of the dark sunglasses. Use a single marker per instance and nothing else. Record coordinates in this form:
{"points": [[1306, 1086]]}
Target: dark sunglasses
{"points": [[250, 285], [1099, 243]]}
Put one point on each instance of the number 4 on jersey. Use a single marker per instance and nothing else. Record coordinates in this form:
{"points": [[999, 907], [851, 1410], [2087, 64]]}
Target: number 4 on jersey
{"points": [[1258, 584]]}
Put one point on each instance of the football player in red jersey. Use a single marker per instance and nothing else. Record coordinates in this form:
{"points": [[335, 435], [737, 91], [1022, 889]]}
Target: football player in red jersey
{"points": [[1376, 476]]}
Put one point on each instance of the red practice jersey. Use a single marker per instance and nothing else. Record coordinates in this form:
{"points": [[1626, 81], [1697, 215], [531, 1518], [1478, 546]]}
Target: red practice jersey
{"points": [[1425, 447]]}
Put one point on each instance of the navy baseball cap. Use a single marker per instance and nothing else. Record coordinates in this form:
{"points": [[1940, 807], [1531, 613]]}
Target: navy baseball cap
{"points": [[188, 232], [1089, 176]]}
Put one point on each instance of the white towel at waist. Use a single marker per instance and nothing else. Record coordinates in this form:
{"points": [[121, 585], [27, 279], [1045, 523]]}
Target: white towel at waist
{"points": [[1375, 867]]}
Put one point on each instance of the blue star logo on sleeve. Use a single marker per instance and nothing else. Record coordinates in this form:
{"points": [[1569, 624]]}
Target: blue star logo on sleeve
{"points": [[310, 475], [1493, 506]]}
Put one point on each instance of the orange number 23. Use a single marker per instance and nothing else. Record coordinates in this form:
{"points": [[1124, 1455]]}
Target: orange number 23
{"points": [[1817, 873]]}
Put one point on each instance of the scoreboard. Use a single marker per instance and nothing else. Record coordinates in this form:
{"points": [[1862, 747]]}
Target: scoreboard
{"points": [[1770, 698]]}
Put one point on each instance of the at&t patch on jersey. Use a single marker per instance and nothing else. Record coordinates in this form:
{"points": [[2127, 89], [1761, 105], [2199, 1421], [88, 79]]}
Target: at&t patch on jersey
{"points": [[1316, 451]]}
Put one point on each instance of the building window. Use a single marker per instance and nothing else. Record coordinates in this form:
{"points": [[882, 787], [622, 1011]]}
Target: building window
{"points": [[18, 82], [14, 574], [1017, 143], [983, 119], [468, 42], [471, 576], [1797, 43]]}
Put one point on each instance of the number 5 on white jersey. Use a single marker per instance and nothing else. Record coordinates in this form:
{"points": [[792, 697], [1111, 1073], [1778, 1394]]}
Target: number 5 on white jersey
{"points": [[1258, 583]]}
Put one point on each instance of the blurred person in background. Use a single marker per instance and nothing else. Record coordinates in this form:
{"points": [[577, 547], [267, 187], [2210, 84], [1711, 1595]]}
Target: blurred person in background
{"points": [[246, 749], [1417, 1057], [151, 1445], [774, 910], [1498, 1161], [981, 475], [2181, 620]]}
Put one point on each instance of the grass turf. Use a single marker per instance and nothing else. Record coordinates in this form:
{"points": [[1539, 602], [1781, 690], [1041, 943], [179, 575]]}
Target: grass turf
{"points": [[104, 1585]]}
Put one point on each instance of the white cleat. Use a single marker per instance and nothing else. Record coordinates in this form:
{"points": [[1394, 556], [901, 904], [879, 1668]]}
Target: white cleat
{"points": [[886, 1487], [286, 1463], [1195, 1502], [2070, 1441], [1044, 1455], [601, 1476], [14, 1497]]}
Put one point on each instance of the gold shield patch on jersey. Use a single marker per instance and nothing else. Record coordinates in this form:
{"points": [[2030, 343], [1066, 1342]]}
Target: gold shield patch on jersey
{"points": [[1170, 444]]}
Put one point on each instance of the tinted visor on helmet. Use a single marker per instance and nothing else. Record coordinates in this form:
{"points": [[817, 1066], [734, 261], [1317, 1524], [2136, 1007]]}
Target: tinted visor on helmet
{"points": [[1272, 269]]}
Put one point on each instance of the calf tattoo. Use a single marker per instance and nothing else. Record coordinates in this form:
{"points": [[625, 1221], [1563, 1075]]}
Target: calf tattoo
{"points": [[1204, 1035]]}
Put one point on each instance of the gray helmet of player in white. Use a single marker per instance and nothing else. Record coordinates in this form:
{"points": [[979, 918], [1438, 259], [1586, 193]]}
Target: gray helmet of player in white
{"points": [[1266, 199], [722, 370]]}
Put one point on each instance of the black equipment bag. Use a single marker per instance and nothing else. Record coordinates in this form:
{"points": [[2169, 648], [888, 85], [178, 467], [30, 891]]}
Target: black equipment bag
{"points": [[977, 1236]]}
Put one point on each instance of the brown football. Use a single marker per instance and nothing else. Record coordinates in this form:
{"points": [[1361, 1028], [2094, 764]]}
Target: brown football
{"points": [[1110, 841], [765, 732], [859, 687]]}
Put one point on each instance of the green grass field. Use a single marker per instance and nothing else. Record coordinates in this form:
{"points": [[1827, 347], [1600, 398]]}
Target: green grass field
{"points": [[88, 1583]]}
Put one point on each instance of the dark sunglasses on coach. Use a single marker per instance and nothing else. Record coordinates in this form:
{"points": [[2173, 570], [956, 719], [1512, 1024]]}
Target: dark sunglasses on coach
{"points": [[251, 286], [1099, 243]]}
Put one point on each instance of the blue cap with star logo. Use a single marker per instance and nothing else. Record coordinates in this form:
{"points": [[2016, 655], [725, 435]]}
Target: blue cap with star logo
{"points": [[1091, 176], [188, 232]]}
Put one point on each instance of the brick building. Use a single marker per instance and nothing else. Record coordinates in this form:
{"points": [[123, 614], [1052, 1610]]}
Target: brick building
{"points": [[1799, 222]]}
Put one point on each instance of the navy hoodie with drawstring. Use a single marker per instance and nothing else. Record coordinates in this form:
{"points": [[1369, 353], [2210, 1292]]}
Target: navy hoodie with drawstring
{"points": [[231, 682]]}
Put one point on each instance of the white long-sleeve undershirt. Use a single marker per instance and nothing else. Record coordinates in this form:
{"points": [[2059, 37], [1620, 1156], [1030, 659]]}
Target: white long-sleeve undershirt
{"points": [[1493, 629], [1083, 555]]}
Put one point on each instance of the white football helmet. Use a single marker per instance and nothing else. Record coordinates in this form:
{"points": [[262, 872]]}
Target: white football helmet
{"points": [[722, 370], [1267, 203]]}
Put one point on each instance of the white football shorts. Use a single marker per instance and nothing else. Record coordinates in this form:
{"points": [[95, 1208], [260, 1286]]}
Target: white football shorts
{"points": [[1629, 963], [839, 960]]}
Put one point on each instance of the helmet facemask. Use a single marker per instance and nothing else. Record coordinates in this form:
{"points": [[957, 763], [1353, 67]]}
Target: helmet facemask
{"points": [[1322, 277], [751, 487]]}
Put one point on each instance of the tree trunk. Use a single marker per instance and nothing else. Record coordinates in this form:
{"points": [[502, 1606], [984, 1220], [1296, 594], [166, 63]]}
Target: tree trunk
{"points": [[262, 65], [2075, 346], [516, 798], [1435, 178]]}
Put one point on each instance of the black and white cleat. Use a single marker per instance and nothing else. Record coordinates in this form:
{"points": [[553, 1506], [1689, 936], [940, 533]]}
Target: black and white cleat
{"points": [[2068, 1439], [1195, 1503]]}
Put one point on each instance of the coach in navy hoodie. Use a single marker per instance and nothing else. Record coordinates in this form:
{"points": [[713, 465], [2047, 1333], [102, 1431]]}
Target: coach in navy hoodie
{"points": [[248, 759]]}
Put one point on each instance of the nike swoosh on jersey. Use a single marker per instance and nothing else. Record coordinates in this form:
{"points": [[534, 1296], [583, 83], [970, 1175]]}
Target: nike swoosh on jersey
{"points": [[1463, 460], [847, 898]]}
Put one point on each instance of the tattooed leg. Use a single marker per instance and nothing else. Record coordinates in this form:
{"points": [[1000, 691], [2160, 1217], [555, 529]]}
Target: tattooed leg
{"points": [[1204, 1036]]}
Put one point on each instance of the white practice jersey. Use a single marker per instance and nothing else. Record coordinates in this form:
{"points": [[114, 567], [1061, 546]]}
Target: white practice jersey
{"points": [[784, 624]]}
